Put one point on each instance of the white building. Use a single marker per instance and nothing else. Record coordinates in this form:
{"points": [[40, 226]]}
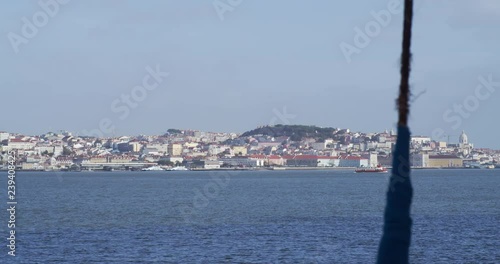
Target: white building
{"points": [[58, 151], [325, 161], [42, 149], [20, 144], [162, 148], [150, 151], [215, 149], [420, 139], [372, 159], [4, 136], [322, 145], [465, 146]]}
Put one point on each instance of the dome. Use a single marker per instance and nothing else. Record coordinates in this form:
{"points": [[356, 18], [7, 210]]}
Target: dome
{"points": [[463, 138]]}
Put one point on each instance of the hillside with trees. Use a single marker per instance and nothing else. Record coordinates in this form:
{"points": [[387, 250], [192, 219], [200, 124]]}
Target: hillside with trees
{"points": [[295, 132]]}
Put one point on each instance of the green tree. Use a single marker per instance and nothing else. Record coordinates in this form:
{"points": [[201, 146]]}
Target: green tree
{"points": [[174, 131]]}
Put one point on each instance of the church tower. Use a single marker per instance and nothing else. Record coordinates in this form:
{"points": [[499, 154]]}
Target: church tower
{"points": [[463, 138], [465, 147]]}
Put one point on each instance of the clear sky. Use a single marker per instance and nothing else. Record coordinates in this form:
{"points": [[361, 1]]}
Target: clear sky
{"points": [[238, 67]]}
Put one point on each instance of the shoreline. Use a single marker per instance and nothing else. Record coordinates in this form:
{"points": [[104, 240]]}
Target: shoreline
{"points": [[267, 169]]}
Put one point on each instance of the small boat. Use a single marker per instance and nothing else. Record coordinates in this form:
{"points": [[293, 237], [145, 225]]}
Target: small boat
{"points": [[371, 169], [178, 168], [153, 168]]}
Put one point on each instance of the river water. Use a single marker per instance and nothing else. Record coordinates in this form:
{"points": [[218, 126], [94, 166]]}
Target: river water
{"points": [[246, 217]]}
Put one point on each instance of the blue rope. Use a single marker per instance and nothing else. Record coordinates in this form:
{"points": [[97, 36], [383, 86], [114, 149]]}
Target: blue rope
{"points": [[395, 243], [396, 237]]}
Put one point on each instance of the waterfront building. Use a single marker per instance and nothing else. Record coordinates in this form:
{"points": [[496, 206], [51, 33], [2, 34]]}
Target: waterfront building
{"points": [[98, 159], [328, 161], [174, 160], [275, 160], [64, 161], [353, 161], [419, 160], [301, 160], [205, 164], [239, 162], [31, 166], [372, 159], [120, 159], [311, 161], [439, 161], [260, 160]]}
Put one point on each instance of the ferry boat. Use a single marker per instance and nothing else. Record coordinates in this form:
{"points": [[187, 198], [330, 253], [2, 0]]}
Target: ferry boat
{"points": [[371, 169], [178, 168], [153, 168]]}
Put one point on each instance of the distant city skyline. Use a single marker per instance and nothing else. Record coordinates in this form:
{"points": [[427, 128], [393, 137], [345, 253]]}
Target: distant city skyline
{"points": [[452, 139], [198, 68]]}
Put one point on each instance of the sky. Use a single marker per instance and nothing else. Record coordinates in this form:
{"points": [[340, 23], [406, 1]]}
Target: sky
{"points": [[142, 67]]}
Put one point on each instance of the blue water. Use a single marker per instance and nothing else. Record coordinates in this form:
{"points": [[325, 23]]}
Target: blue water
{"points": [[246, 217]]}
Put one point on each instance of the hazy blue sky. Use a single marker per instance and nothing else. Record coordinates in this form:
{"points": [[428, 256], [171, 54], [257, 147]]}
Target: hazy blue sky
{"points": [[229, 75]]}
